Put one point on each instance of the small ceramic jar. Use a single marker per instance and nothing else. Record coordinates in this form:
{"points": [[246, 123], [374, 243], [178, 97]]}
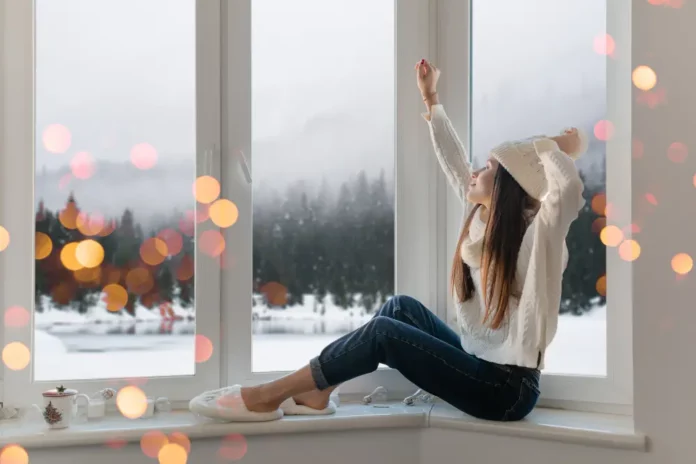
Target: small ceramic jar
{"points": [[59, 406]]}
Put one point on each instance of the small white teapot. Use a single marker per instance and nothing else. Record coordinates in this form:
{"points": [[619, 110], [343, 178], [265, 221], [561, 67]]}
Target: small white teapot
{"points": [[58, 409]]}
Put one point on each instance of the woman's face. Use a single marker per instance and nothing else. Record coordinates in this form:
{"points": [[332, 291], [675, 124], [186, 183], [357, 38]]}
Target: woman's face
{"points": [[481, 186]]}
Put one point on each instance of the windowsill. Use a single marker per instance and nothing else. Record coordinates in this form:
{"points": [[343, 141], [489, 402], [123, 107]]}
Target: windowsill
{"points": [[543, 424]]}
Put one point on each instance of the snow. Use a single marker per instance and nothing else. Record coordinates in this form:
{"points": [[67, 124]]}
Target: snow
{"points": [[102, 346]]}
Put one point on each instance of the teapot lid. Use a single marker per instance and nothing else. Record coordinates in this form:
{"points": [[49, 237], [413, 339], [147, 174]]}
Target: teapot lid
{"points": [[54, 393]]}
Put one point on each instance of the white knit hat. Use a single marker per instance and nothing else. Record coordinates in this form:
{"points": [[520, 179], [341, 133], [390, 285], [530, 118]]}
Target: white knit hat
{"points": [[522, 161]]}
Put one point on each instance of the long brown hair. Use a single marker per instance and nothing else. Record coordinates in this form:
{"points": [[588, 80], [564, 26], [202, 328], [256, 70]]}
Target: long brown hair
{"points": [[507, 222]]}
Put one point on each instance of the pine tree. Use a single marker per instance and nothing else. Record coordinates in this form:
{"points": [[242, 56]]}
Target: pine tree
{"points": [[51, 414]]}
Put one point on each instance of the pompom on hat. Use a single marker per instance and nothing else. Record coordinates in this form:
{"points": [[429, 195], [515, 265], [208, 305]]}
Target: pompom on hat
{"points": [[522, 161]]}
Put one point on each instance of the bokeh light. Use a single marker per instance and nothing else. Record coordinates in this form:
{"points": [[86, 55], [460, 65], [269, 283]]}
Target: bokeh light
{"points": [[89, 253], [234, 447], [43, 246], [629, 250], [644, 77], [131, 401], [172, 240], [68, 256], [611, 236], [180, 439], [212, 243], [604, 130], [90, 225], [82, 165], [599, 224], [187, 224], [63, 292], [276, 294], [186, 269], [638, 149], [204, 348], [601, 285], [143, 156], [16, 316], [153, 251], [16, 356], [682, 263], [139, 281], [650, 198], [632, 228], [599, 204], [56, 139], [115, 297], [172, 453], [68, 216], [677, 152], [152, 442], [4, 239], [14, 454], [604, 44], [206, 189], [609, 210], [201, 214], [116, 443], [89, 277], [223, 213]]}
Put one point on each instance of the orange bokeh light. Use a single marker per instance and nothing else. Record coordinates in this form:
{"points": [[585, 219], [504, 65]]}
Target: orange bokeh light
{"points": [[115, 297], [599, 204], [68, 216], [152, 442], [604, 45], [173, 240], [89, 253], [212, 243], [180, 439], [204, 348], [16, 356], [611, 236], [14, 454], [604, 130], [629, 250], [677, 152], [644, 77], [90, 277], [4, 239], [276, 294], [43, 246], [599, 224], [186, 269], [153, 251], [56, 139], [234, 447], [90, 224], [172, 453], [143, 156], [601, 285], [682, 263], [16, 316], [131, 401], [82, 165], [223, 213], [139, 281], [206, 189], [68, 256]]}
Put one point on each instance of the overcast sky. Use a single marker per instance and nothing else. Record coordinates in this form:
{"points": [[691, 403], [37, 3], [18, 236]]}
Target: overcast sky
{"points": [[121, 72]]}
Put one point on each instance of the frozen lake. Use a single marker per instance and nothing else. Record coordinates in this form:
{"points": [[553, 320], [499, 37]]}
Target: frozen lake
{"points": [[138, 349]]}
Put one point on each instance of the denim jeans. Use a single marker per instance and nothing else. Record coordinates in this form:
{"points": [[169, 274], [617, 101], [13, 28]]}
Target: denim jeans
{"points": [[406, 336]]}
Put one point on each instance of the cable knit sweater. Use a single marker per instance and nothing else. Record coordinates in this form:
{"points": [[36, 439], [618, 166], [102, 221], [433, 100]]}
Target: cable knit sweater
{"points": [[532, 320]]}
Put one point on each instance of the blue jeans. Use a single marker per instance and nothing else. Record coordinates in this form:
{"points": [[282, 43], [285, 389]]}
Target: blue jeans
{"points": [[406, 336]]}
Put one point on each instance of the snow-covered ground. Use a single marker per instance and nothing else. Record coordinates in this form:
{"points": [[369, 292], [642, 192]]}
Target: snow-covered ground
{"points": [[146, 346]]}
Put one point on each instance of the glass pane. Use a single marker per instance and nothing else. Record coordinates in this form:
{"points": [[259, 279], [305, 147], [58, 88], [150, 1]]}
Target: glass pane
{"points": [[323, 151], [115, 164], [537, 67]]}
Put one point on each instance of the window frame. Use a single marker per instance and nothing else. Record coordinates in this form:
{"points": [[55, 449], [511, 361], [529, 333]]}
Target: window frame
{"points": [[18, 209], [417, 213], [615, 391]]}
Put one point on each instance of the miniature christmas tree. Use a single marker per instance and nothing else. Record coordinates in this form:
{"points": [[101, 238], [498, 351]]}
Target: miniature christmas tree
{"points": [[52, 415]]}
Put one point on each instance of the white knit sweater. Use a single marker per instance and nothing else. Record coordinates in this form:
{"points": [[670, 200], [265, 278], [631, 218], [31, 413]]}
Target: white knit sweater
{"points": [[531, 323]]}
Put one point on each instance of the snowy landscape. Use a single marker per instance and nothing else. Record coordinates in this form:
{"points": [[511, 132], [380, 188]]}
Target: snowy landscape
{"points": [[101, 344]]}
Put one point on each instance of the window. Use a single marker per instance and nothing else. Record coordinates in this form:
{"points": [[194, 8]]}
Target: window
{"points": [[323, 151], [555, 71], [329, 121], [123, 233]]}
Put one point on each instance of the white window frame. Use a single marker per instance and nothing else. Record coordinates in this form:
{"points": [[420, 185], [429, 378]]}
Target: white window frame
{"points": [[613, 392], [17, 208], [417, 187]]}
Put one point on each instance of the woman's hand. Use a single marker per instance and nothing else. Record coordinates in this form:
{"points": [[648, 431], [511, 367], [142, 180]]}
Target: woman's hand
{"points": [[427, 76]]}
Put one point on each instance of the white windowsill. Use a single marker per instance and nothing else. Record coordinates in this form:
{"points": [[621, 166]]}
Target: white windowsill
{"points": [[543, 424]]}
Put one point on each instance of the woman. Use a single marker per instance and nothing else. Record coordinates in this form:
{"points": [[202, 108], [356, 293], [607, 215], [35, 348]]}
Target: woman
{"points": [[518, 209]]}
